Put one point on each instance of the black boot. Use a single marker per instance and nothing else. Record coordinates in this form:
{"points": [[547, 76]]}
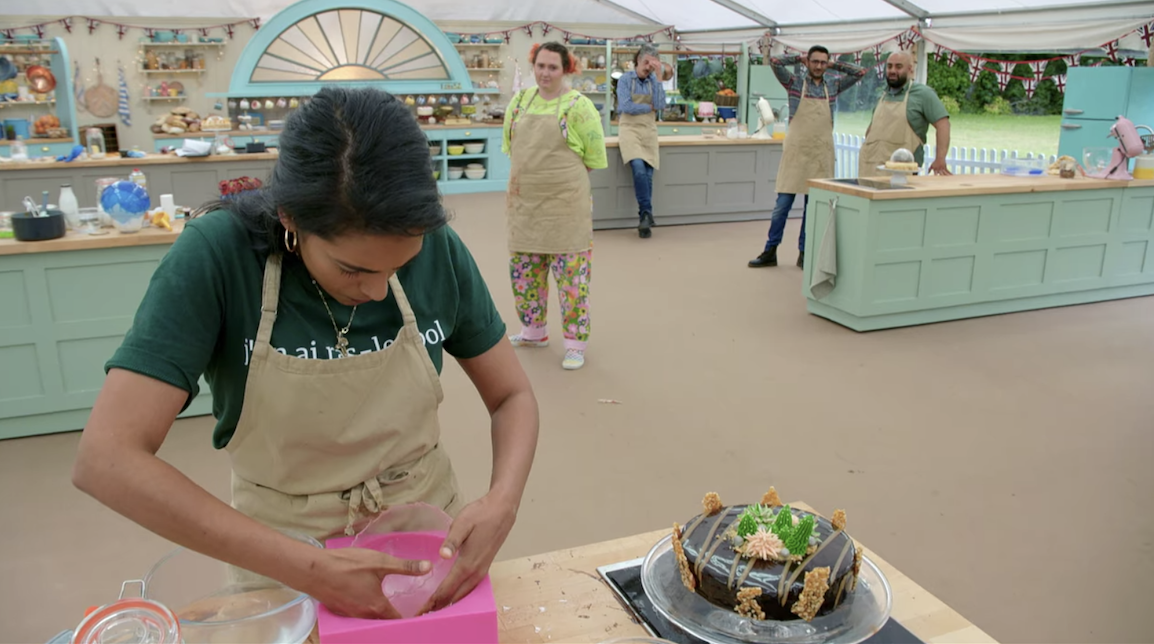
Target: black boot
{"points": [[644, 228], [801, 259], [766, 258]]}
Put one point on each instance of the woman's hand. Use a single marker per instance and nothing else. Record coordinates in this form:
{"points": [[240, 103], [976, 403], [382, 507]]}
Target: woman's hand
{"points": [[348, 581], [475, 536]]}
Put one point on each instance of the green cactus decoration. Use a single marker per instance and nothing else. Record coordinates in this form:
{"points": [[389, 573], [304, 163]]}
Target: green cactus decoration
{"points": [[783, 527], [747, 524], [761, 514], [798, 541]]}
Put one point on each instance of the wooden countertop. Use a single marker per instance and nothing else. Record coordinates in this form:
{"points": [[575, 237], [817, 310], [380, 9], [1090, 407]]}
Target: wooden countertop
{"points": [[964, 185], [39, 141], [699, 139], [150, 159], [560, 597], [679, 123], [209, 135], [77, 241], [259, 133]]}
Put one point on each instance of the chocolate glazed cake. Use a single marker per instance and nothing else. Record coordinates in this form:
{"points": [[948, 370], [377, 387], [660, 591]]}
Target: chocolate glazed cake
{"points": [[767, 561]]}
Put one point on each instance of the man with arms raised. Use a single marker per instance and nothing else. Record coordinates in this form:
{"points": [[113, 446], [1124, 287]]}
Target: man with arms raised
{"points": [[808, 151]]}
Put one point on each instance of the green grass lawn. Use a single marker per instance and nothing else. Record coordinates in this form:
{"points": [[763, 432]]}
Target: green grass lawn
{"points": [[1038, 134]]}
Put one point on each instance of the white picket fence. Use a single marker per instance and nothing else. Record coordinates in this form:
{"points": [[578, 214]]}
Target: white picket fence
{"points": [[959, 160]]}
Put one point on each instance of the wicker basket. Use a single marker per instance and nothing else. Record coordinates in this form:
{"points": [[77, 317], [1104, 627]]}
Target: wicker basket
{"points": [[722, 100]]}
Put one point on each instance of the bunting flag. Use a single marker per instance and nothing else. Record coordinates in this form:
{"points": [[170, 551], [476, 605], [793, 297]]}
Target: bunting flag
{"points": [[1030, 84], [976, 69], [1004, 77], [1112, 50], [1146, 33], [1039, 67], [1060, 81]]}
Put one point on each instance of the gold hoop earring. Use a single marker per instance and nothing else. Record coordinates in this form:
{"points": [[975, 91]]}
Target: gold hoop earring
{"points": [[290, 247]]}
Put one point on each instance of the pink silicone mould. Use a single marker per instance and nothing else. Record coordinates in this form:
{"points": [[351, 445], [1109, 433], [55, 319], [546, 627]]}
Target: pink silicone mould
{"points": [[473, 620]]}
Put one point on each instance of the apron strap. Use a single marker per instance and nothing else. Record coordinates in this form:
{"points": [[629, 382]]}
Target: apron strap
{"points": [[270, 294], [407, 314], [518, 111]]}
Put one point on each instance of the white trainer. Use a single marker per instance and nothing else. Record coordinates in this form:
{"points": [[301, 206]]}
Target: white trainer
{"points": [[574, 359]]}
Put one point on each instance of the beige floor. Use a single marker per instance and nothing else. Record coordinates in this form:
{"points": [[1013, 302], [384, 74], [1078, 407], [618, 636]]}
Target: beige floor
{"points": [[1002, 462]]}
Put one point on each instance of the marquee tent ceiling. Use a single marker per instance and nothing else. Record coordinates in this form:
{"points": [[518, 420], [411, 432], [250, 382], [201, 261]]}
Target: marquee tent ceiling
{"points": [[984, 23]]}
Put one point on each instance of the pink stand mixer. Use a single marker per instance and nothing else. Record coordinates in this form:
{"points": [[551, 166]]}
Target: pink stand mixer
{"points": [[1130, 145]]}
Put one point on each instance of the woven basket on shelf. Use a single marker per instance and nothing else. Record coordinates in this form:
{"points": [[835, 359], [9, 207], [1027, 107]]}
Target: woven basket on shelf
{"points": [[721, 100]]}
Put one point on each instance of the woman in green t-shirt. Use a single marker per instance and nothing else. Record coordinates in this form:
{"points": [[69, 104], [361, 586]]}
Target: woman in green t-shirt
{"points": [[553, 136], [317, 309]]}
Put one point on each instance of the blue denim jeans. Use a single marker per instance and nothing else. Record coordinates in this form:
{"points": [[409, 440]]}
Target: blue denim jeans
{"points": [[780, 214], [642, 185]]}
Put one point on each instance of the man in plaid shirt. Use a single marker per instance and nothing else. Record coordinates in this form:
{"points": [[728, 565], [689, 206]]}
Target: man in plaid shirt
{"points": [[808, 150]]}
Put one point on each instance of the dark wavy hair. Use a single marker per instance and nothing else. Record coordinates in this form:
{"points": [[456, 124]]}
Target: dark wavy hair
{"points": [[351, 161]]}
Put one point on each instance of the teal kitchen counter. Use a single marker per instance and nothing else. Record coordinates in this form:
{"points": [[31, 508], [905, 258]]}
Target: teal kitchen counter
{"points": [[949, 248], [65, 306]]}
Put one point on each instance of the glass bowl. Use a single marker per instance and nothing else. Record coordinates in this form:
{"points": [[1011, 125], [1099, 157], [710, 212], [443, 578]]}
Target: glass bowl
{"points": [[855, 620], [218, 602]]}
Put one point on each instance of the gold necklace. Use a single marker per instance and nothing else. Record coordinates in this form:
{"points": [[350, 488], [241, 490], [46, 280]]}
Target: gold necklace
{"points": [[342, 341]]}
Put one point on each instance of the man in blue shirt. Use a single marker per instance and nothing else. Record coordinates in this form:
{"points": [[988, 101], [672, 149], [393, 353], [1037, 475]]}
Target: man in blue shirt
{"points": [[808, 152], [640, 96]]}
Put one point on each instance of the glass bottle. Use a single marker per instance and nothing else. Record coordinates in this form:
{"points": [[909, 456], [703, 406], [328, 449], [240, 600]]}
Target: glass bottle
{"points": [[69, 206]]}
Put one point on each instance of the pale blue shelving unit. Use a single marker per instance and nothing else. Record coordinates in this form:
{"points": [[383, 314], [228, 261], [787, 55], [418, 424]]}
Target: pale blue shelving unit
{"points": [[381, 43], [65, 105]]}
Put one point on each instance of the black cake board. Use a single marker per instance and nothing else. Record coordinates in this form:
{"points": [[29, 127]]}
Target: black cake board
{"points": [[625, 580]]}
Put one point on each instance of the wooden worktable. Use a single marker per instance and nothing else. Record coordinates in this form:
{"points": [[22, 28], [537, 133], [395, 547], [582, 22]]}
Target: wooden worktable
{"points": [[79, 241], [965, 185], [699, 140], [150, 159], [560, 597]]}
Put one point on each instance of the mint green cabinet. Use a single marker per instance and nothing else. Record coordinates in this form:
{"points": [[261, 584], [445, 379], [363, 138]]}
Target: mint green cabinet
{"points": [[904, 262], [64, 315]]}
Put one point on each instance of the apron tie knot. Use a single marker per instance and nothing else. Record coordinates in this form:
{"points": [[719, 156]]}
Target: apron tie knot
{"points": [[367, 496]]}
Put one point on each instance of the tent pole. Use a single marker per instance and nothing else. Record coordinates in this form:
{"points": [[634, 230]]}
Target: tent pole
{"points": [[742, 83], [909, 8], [922, 72], [746, 12], [627, 11]]}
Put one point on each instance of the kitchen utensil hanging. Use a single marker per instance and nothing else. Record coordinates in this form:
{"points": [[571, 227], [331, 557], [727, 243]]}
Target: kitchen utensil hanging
{"points": [[40, 79], [100, 98]]}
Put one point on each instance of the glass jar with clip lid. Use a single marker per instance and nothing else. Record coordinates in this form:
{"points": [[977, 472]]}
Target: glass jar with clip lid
{"points": [[130, 619]]}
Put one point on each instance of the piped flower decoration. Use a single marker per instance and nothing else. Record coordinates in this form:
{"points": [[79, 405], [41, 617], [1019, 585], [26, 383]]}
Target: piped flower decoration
{"points": [[763, 545]]}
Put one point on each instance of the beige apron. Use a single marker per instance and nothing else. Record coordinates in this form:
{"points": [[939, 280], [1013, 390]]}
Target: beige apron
{"points": [[889, 130], [323, 446], [808, 149], [549, 203], [637, 133]]}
